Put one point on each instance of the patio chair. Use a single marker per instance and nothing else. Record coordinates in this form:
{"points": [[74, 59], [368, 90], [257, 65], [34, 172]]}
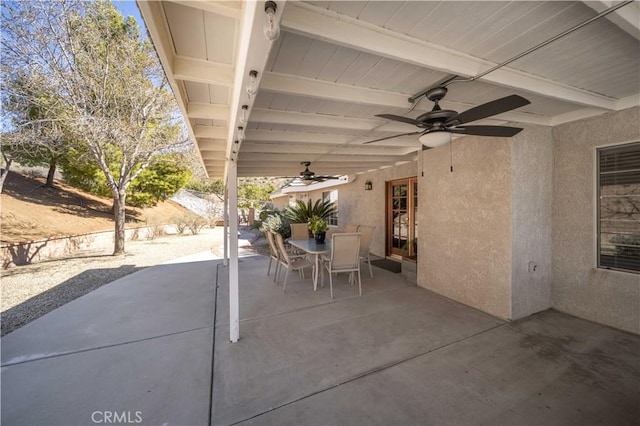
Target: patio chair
{"points": [[299, 231], [345, 257], [366, 237], [273, 253], [290, 261], [350, 228]]}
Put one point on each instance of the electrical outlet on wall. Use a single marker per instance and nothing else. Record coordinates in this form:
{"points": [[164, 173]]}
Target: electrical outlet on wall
{"points": [[532, 267]]}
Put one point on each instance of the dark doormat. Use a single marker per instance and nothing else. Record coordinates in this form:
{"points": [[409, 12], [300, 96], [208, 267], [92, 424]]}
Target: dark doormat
{"points": [[389, 265]]}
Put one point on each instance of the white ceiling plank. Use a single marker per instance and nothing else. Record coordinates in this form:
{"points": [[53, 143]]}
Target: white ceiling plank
{"points": [[346, 31], [319, 138], [231, 9], [283, 83], [202, 71], [626, 17], [339, 92], [297, 148], [217, 145], [261, 158], [207, 111], [331, 121], [210, 132]]}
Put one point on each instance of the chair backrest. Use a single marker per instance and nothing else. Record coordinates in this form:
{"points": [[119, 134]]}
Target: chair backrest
{"points": [[299, 231], [282, 251], [272, 244], [366, 237], [350, 228], [345, 251]]}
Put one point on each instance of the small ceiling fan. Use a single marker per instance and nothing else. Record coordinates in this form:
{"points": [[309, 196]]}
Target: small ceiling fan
{"points": [[307, 177], [437, 125]]}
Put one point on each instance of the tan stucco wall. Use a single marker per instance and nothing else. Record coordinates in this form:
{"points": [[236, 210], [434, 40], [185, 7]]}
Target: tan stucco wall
{"points": [[465, 223], [531, 198], [280, 202], [579, 288], [361, 207]]}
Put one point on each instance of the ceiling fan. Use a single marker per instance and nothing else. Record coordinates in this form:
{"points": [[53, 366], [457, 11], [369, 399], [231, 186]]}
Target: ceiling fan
{"points": [[437, 125], [307, 177]]}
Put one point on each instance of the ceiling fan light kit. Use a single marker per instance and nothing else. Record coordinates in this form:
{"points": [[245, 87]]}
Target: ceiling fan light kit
{"points": [[436, 126], [435, 139], [307, 177]]}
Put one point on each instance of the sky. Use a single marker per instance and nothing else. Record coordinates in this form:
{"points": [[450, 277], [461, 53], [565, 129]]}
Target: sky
{"points": [[130, 8]]}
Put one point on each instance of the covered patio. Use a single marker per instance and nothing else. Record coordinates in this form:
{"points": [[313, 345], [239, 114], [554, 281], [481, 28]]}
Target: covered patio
{"points": [[155, 344]]}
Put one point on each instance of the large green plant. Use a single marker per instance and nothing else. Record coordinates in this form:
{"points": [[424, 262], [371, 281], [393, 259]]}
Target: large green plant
{"points": [[165, 175], [301, 212], [277, 223], [110, 91]]}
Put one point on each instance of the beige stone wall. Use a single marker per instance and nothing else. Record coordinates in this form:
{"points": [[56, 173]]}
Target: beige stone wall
{"points": [[579, 288], [465, 223]]}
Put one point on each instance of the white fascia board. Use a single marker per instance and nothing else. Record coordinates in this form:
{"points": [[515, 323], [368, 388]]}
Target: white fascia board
{"points": [[252, 54], [336, 28], [230, 9], [156, 23]]}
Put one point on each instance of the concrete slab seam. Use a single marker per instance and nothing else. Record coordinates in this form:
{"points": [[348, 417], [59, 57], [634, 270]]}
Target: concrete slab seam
{"points": [[370, 372], [213, 342], [305, 308], [97, 348]]}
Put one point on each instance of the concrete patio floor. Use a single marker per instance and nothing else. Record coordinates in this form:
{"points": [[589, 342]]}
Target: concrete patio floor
{"points": [[398, 355]]}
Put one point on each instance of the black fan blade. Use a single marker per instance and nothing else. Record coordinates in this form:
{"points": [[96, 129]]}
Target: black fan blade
{"points": [[499, 131], [391, 137], [401, 118], [488, 110]]}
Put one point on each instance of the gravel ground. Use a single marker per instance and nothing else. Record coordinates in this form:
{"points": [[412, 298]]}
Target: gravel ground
{"points": [[30, 291]]}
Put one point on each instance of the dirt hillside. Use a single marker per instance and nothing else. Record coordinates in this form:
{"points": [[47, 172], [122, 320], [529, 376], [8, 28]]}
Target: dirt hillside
{"points": [[29, 211]]}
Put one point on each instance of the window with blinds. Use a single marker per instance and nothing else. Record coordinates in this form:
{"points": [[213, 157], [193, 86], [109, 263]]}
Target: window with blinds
{"points": [[619, 207]]}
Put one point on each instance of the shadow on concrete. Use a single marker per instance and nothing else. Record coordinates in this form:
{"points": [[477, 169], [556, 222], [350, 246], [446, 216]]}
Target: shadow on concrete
{"points": [[45, 302]]}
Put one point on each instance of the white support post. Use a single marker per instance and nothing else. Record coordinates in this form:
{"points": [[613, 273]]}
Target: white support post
{"points": [[225, 231], [234, 303]]}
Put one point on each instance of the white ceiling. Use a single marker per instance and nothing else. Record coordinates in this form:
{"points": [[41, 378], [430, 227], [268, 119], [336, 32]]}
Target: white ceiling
{"points": [[338, 63]]}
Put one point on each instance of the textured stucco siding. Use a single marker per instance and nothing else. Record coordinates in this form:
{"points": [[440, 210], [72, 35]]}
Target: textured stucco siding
{"points": [[531, 198], [465, 223], [360, 207], [578, 287]]}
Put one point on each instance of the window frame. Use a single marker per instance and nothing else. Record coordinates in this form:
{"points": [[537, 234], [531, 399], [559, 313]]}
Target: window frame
{"points": [[333, 219], [597, 207]]}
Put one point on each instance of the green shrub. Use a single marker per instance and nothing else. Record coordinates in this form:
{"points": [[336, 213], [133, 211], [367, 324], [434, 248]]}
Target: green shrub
{"points": [[302, 212], [276, 222]]}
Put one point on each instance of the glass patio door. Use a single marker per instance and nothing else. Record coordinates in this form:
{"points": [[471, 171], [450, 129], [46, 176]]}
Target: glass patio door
{"points": [[402, 205]]}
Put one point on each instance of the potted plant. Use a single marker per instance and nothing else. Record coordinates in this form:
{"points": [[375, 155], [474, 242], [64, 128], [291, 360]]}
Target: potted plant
{"points": [[318, 228]]}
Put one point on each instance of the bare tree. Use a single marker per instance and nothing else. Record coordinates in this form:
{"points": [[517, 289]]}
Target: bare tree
{"points": [[110, 92]]}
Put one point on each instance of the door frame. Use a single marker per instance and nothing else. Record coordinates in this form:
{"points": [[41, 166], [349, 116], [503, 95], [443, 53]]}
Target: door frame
{"points": [[411, 209]]}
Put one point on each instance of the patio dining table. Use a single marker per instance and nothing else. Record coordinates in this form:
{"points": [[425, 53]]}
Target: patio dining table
{"points": [[310, 246]]}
